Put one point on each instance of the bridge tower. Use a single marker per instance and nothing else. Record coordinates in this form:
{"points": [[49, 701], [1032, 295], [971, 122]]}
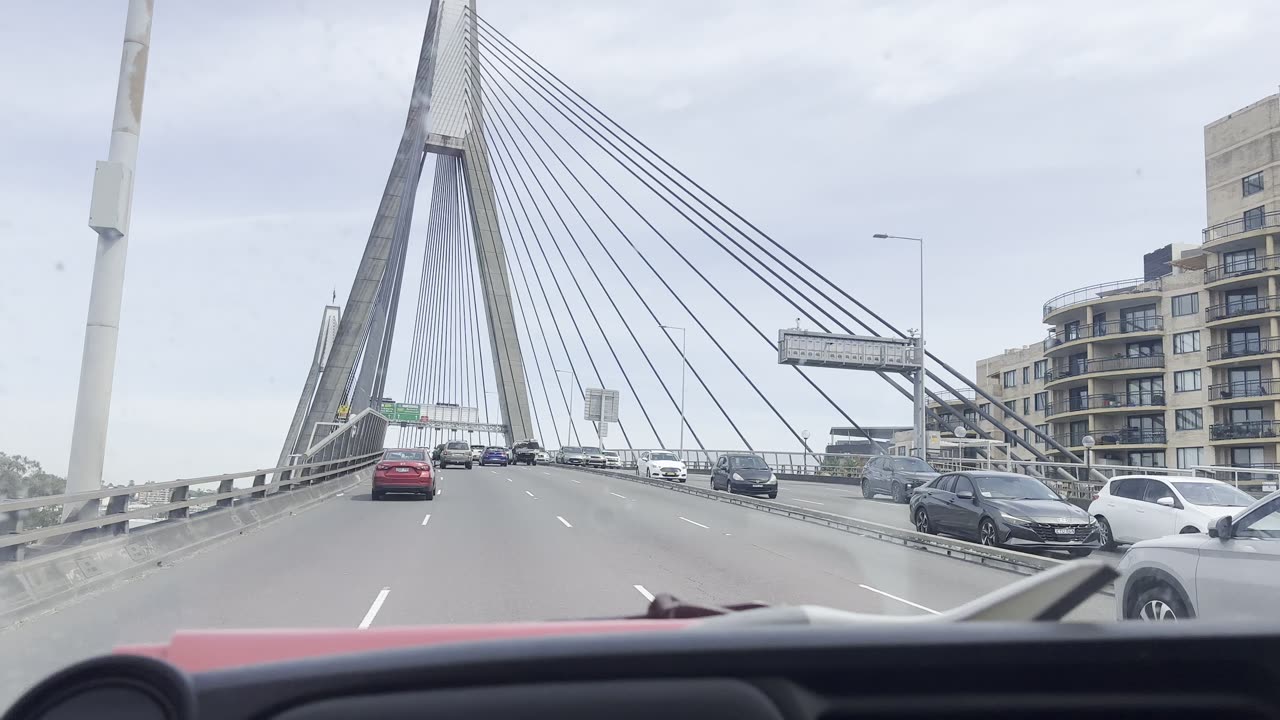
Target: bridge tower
{"points": [[443, 118]]}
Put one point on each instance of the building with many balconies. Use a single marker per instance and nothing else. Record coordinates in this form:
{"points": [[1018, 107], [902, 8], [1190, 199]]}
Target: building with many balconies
{"points": [[1180, 367]]}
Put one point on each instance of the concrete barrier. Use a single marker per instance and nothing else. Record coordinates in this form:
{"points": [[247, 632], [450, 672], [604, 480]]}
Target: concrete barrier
{"points": [[40, 584], [999, 558]]}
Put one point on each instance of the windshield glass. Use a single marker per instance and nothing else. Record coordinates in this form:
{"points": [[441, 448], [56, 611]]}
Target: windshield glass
{"points": [[610, 453], [1213, 494], [747, 462], [590, 450], [570, 449], [911, 464], [413, 455], [1013, 487], [458, 446], [662, 456]]}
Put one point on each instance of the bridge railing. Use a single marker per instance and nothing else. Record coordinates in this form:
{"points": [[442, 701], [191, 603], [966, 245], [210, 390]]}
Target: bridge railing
{"points": [[74, 518]]}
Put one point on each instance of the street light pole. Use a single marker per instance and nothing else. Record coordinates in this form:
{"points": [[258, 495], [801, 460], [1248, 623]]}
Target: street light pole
{"points": [[921, 440], [683, 366], [568, 403]]}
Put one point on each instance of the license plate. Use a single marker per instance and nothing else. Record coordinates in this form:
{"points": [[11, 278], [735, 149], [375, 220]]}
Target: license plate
{"points": [[1268, 487], [403, 469], [1065, 531], [759, 486]]}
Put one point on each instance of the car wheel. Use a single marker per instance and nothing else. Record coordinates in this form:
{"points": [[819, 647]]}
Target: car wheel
{"points": [[867, 491], [1080, 552], [376, 495], [899, 493], [468, 466], [1160, 603], [681, 479], [773, 495], [922, 522], [987, 533], [1189, 530], [429, 495], [1108, 541]]}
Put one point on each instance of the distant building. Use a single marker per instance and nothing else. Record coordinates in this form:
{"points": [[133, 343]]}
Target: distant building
{"points": [[852, 441]]}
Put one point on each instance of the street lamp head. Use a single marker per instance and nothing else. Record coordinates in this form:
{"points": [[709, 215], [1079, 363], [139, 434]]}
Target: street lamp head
{"points": [[880, 236]]}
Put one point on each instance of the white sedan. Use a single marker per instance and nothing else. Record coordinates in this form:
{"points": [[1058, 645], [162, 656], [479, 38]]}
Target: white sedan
{"points": [[661, 464], [1132, 508]]}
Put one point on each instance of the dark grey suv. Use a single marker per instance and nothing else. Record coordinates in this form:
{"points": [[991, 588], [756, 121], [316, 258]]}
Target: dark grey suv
{"points": [[895, 476]]}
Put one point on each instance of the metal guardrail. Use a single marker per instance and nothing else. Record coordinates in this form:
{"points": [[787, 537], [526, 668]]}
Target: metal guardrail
{"points": [[355, 446], [1242, 267], [1100, 365], [1240, 225], [1103, 329], [1242, 307], [1105, 400], [1244, 389], [1249, 429], [1100, 291], [1242, 348]]}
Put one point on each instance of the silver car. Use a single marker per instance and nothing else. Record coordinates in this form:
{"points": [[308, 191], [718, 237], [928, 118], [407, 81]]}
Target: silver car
{"points": [[1231, 573]]}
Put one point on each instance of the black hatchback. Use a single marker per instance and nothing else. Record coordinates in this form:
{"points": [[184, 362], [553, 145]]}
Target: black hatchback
{"points": [[1003, 509], [746, 474]]}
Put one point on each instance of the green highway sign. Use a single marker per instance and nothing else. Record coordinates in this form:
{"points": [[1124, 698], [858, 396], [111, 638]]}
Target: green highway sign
{"points": [[400, 412]]}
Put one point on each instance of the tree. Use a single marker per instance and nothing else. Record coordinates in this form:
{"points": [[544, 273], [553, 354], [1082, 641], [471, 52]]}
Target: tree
{"points": [[22, 477]]}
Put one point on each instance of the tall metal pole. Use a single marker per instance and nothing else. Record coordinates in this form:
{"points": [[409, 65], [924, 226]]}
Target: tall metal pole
{"points": [[113, 187], [684, 365], [918, 403]]}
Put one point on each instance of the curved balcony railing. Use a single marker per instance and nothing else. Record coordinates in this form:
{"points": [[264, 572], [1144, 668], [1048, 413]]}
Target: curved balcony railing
{"points": [[1244, 430], [1242, 348], [1241, 225], [1265, 387], [1116, 436], [1103, 329], [1241, 268], [948, 397], [1241, 307], [1106, 400], [1099, 291], [1098, 365]]}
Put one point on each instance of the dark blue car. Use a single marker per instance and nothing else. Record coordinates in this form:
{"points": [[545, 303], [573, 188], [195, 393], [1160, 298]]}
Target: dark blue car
{"points": [[495, 456]]}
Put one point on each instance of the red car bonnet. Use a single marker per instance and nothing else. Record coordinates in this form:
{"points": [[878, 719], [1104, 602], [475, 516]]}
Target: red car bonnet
{"points": [[200, 650]]}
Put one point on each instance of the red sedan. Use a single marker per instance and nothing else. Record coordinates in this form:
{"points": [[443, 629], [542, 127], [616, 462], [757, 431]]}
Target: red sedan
{"points": [[404, 471]]}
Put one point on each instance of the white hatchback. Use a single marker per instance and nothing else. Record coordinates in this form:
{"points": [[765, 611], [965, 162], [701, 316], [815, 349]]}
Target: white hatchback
{"points": [[1132, 508]]}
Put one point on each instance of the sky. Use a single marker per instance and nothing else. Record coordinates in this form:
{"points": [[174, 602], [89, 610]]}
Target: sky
{"points": [[1037, 146]]}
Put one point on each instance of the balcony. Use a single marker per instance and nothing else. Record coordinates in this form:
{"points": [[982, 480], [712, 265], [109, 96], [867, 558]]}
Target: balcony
{"points": [[1242, 349], [1115, 436], [1101, 291], [1240, 226], [1065, 370], [1104, 329], [1265, 387], [1242, 268], [1105, 401], [1244, 430], [950, 398], [1239, 308]]}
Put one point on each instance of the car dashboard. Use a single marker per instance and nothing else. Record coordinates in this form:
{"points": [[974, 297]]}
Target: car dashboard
{"points": [[966, 670]]}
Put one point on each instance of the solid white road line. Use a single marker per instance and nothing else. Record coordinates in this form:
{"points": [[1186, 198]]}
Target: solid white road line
{"points": [[425, 519], [508, 479], [526, 492], [807, 501], [647, 595], [901, 600], [544, 472], [691, 522], [577, 481], [566, 522], [624, 497], [375, 607]]}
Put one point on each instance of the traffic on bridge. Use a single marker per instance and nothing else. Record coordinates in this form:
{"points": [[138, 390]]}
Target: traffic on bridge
{"points": [[581, 436]]}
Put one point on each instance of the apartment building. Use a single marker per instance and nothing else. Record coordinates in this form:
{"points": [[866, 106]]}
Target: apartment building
{"points": [[1179, 367]]}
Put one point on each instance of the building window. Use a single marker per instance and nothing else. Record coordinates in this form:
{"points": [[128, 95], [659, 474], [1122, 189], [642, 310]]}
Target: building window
{"points": [[985, 407], [1251, 184], [1139, 319], [1186, 380], [1145, 348], [1188, 304], [1026, 435], [1190, 457], [1147, 458], [1042, 400], [1255, 218], [1010, 378], [1044, 430], [1010, 408], [1192, 419], [1239, 261], [970, 417], [1026, 375], [1026, 406], [1186, 342], [1040, 368]]}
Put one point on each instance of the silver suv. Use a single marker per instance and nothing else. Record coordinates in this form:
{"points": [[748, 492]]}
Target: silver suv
{"points": [[455, 453], [1233, 572]]}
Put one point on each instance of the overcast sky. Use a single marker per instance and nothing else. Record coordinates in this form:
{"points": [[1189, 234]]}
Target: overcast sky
{"points": [[1039, 146]]}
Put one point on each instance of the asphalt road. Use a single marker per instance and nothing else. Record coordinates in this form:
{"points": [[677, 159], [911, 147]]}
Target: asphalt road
{"points": [[517, 543]]}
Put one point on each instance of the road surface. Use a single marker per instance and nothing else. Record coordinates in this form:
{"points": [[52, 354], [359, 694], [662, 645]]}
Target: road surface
{"points": [[516, 543]]}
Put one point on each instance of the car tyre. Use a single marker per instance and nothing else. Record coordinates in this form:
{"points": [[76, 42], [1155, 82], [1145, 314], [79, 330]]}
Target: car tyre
{"points": [[867, 491], [681, 479], [923, 522], [1160, 603], [467, 466], [375, 495], [773, 495], [1108, 541], [899, 493], [1189, 530], [430, 494], [1080, 552], [987, 533]]}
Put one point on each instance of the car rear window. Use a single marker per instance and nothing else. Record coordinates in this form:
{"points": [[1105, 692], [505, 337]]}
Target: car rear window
{"points": [[458, 446], [412, 455]]}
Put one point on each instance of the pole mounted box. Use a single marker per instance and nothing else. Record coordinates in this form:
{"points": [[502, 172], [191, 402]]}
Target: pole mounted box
{"points": [[601, 405], [109, 204], [848, 352]]}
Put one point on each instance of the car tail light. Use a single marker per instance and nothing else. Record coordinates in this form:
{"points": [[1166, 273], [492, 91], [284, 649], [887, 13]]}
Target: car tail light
{"points": [[1095, 496], [384, 467]]}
